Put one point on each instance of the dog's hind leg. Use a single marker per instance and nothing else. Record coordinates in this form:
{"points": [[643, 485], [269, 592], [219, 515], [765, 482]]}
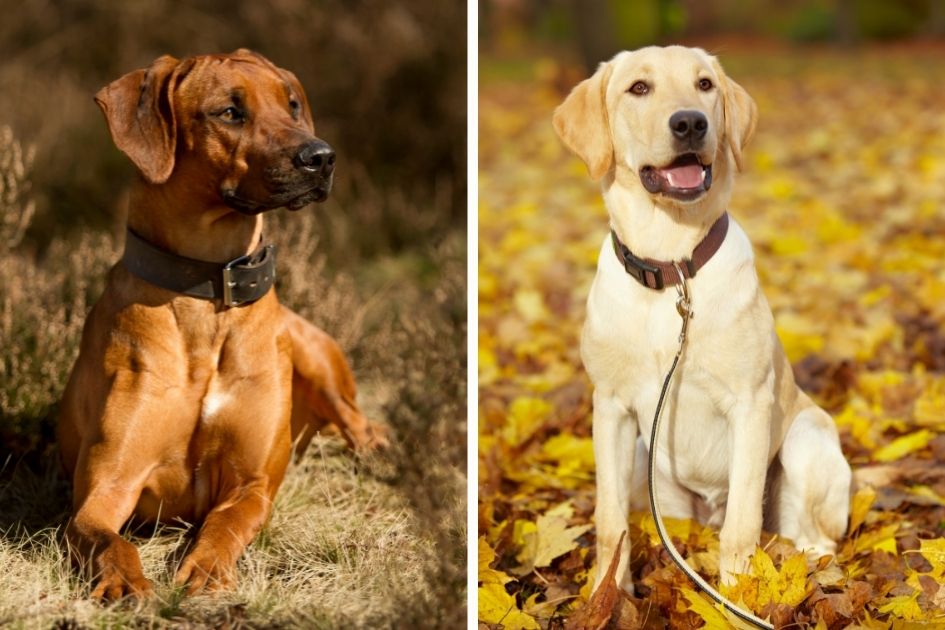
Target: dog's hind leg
{"points": [[810, 488], [323, 390]]}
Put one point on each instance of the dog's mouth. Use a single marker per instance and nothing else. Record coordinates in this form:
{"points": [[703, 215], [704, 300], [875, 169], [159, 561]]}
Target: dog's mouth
{"points": [[315, 195], [685, 178], [292, 201]]}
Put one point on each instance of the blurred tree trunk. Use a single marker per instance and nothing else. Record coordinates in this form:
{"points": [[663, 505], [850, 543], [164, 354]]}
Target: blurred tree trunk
{"points": [[936, 18], [594, 22], [846, 22], [700, 17], [485, 22]]}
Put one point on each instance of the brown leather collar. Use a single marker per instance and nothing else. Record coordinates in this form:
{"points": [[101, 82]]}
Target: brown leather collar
{"points": [[656, 274], [239, 281]]}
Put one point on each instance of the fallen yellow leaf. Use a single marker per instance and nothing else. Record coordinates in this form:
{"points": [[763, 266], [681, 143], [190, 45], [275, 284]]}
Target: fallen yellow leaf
{"points": [[497, 606], [902, 446], [860, 507], [550, 538]]}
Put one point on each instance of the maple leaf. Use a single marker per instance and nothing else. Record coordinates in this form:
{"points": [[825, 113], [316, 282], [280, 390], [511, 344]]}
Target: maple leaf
{"points": [[715, 616], [766, 584], [526, 415], [883, 539], [488, 575], [904, 607], [548, 538], [496, 605]]}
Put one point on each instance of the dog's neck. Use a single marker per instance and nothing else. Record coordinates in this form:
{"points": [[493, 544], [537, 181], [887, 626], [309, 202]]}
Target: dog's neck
{"points": [[651, 228], [214, 232]]}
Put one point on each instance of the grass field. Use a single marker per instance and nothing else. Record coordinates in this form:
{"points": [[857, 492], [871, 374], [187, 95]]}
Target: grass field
{"points": [[368, 541]]}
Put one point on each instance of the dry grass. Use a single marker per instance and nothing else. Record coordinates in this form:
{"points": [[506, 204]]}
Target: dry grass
{"points": [[375, 542], [340, 550]]}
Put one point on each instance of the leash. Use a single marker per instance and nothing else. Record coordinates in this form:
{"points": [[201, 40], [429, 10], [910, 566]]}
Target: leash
{"points": [[684, 308]]}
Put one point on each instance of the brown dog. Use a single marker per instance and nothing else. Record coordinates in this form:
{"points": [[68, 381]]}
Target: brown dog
{"points": [[187, 392]]}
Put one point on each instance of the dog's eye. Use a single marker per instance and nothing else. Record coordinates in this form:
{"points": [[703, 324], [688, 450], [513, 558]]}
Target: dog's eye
{"points": [[705, 85], [231, 114], [639, 88], [295, 108]]}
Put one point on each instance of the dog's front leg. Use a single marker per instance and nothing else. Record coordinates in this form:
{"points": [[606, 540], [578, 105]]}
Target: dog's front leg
{"points": [[106, 493], [749, 439], [615, 435], [226, 531]]}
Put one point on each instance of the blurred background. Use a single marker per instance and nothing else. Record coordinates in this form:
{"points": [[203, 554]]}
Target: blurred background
{"points": [[595, 30], [394, 67], [843, 199], [380, 266]]}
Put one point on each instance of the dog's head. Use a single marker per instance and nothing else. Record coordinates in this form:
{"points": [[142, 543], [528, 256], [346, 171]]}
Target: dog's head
{"points": [[239, 128], [669, 115]]}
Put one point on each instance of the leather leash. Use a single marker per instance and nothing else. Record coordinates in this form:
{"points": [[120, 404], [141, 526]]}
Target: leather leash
{"points": [[684, 308]]}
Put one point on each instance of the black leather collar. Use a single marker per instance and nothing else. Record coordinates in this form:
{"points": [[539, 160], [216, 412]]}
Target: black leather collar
{"points": [[240, 281]]}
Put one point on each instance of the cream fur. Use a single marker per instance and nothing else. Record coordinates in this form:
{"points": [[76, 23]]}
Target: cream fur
{"points": [[735, 421]]}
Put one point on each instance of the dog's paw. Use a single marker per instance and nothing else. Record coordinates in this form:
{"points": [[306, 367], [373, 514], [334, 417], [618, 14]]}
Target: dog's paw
{"points": [[203, 571], [374, 437], [732, 563], [119, 574], [116, 582]]}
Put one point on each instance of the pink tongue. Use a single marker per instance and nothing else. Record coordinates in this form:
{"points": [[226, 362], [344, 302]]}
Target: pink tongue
{"points": [[689, 176]]}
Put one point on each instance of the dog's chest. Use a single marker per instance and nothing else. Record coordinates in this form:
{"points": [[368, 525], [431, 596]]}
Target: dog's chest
{"points": [[234, 410], [630, 338]]}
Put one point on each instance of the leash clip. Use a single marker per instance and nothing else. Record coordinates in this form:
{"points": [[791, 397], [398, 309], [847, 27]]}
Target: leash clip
{"points": [[683, 304]]}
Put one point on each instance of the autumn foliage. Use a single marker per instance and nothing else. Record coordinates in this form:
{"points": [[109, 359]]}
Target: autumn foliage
{"points": [[844, 200]]}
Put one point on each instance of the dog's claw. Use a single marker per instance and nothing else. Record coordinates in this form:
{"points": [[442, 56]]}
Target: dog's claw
{"points": [[112, 587], [204, 572], [373, 438]]}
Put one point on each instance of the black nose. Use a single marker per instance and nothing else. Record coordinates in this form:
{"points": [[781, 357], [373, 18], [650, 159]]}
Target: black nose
{"points": [[316, 156], [689, 125]]}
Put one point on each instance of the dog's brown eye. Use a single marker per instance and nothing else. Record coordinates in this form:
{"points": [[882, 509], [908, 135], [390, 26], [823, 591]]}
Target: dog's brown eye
{"points": [[294, 108], [231, 114], [705, 85], [639, 88]]}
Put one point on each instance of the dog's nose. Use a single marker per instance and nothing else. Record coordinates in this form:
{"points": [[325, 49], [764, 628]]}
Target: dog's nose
{"points": [[688, 124], [317, 157]]}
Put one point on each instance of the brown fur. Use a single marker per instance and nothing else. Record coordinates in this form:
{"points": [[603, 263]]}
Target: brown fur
{"points": [[179, 407]]}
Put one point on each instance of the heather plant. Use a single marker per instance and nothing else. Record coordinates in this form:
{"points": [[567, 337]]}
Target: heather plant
{"points": [[16, 204], [354, 541], [371, 541]]}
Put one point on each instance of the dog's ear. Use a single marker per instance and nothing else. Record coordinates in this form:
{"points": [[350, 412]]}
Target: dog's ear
{"points": [[740, 111], [139, 110], [583, 125]]}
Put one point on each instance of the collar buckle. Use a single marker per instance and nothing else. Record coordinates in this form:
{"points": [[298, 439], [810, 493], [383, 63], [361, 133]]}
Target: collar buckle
{"points": [[637, 267], [231, 281]]}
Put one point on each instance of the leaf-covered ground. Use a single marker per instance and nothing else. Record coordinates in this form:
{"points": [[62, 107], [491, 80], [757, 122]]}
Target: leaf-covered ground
{"points": [[844, 200]]}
